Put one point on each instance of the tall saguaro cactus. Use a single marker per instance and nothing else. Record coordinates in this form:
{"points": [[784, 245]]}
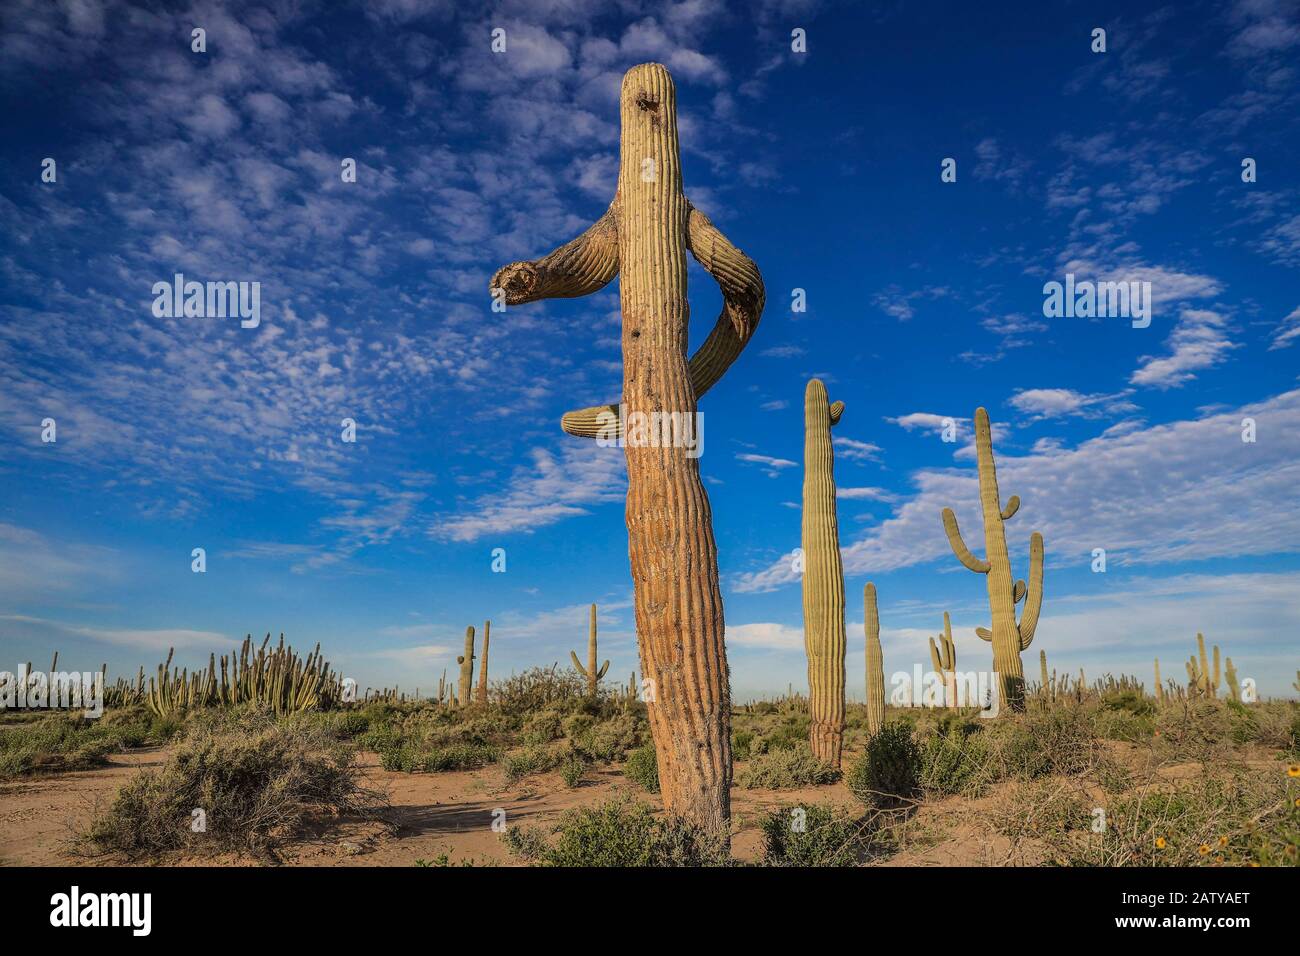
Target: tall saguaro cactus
{"points": [[944, 658], [643, 237], [823, 579], [875, 662], [1008, 636], [466, 662], [482, 692], [591, 672]]}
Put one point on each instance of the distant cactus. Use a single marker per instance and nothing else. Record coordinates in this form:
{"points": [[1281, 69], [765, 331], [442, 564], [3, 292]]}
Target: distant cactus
{"points": [[466, 662], [1296, 685], [1160, 691], [482, 694], [944, 658], [1008, 636], [875, 662], [1234, 689], [1042, 671], [591, 672], [823, 579]]}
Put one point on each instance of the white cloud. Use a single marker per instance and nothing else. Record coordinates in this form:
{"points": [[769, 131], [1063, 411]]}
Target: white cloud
{"points": [[1198, 342], [1060, 402], [1287, 331], [850, 449]]}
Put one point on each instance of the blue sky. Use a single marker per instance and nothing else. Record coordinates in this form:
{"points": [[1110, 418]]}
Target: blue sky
{"points": [[924, 301]]}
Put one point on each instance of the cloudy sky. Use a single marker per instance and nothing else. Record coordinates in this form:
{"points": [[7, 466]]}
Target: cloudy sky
{"points": [[924, 300]]}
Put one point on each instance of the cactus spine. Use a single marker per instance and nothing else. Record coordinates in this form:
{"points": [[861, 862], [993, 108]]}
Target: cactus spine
{"points": [[466, 662], [823, 579], [643, 237], [1008, 636], [944, 658], [875, 662], [483, 665], [591, 672]]}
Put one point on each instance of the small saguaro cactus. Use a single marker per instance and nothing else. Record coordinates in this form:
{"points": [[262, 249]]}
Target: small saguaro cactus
{"points": [[591, 672], [1205, 682], [1042, 670], [1160, 691], [823, 579], [944, 658], [482, 692], [1296, 686], [875, 662], [643, 238], [1008, 636], [466, 662]]}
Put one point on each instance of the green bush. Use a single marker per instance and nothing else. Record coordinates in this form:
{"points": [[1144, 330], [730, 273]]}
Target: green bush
{"points": [[956, 759], [811, 836], [741, 742], [642, 767], [618, 834], [518, 764], [785, 769], [572, 770], [888, 773]]}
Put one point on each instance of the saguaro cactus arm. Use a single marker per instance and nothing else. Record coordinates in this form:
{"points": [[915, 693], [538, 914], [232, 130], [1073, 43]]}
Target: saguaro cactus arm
{"points": [[743, 297], [1034, 601], [579, 267], [978, 565]]}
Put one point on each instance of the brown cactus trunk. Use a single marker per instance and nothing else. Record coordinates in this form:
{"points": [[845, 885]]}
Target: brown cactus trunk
{"points": [[669, 523]]}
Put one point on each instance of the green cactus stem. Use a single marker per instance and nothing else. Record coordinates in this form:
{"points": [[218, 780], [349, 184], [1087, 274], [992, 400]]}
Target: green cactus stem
{"points": [[482, 692], [1160, 691], [823, 579], [591, 672], [466, 662], [944, 658], [875, 662], [1008, 636]]}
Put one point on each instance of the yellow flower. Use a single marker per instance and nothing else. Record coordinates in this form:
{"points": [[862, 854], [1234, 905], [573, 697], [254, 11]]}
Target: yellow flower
{"points": [[1297, 803], [1204, 849], [1160, 843], [1293, 770], [1223, 841]]}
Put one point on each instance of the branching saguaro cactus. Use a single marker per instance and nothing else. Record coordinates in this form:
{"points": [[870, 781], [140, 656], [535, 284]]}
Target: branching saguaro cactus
{"points": [[875, 662], [823, 579], [1008, 636], [643, 237], [466, 662], [591, 672], [944, 658], [482, 693]]}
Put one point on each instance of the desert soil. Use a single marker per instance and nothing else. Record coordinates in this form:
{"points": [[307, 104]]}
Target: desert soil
{"points": [[435, 815]]}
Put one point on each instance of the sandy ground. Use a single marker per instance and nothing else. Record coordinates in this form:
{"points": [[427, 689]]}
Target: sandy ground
{"points": [[434, 815]]}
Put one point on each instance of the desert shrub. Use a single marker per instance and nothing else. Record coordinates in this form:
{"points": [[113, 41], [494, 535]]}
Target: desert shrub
{"points": [[642, 767], [763, 708], [618, 833], [1233, 818], [1129, 701], [257, 780], [572, 770], [60, 741], [610, 739], [888, 774], [812, 836], [543, 727], [741, 742], [536, 688], [575, 725], [1060, 740], [1193, 730], [785, 769], [380, 739], [518, 764], [789, 733], [956, 759]]}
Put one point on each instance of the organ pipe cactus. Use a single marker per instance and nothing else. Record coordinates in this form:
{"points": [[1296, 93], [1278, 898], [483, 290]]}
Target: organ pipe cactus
{"points": [[591, 672], [1008, 636], [1234, 688], [823, 579], [875, 662], [482, 693], [466, 662], [944, 658], [643, 238]]}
